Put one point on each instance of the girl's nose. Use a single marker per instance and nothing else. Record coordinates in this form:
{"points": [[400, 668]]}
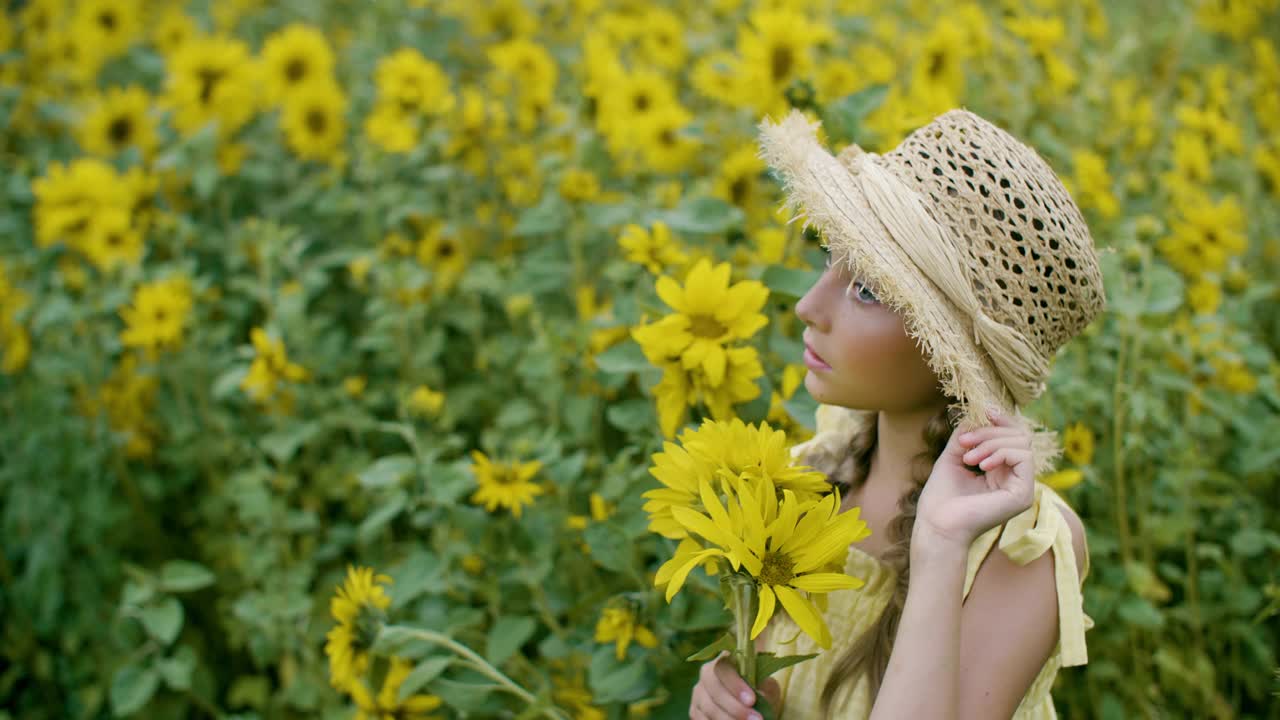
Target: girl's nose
{"points": [[809, 309]]}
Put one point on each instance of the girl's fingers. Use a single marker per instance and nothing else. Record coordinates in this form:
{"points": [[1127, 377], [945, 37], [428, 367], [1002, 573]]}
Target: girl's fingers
{"points": [[726, 694], [986, 448], [1005, 455]]}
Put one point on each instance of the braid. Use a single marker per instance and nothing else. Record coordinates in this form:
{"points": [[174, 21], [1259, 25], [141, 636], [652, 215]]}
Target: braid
{"points": [[870, 652]]}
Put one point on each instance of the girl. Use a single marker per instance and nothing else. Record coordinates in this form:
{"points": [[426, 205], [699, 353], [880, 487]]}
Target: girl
{"points": [[958, 266]]}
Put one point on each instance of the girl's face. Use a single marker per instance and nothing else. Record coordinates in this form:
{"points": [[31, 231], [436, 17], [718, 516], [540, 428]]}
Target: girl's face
{"points": [[857, 350]]}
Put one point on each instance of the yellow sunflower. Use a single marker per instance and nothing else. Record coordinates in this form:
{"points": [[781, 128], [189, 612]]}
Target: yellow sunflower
{"points": [[709, 313], [1077, 444], [618, 624], [212, 78], [721, 450], [787, 547], [110, 26], [414, 83], [387, 704], [158, 315], [271, 365], [438, 250], [655, 248], [663, 145], [680, 389], [505, 484], [359, 607], [112, 241], [173, 30], [120, 118], [391, 128], [314, 121], [295, 57]]}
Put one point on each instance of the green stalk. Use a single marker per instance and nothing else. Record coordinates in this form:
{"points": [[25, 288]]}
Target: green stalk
{"points": [[744, 611], [480, 665]]}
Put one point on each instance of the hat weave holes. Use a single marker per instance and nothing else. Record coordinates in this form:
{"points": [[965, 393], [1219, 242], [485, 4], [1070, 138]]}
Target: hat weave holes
{"points": [[1024, 240]]}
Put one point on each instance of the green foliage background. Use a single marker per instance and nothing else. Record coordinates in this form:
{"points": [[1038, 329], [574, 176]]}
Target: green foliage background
{"points": [[195, 581]]}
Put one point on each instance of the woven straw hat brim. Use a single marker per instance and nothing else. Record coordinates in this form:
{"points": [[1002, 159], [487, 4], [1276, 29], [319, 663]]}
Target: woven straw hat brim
{"points": [[820, 190]]}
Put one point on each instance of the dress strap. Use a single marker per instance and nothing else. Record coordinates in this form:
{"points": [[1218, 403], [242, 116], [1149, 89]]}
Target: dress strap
{"points": [[1027, 536]]}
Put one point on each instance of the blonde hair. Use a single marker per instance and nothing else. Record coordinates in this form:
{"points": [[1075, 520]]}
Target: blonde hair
{"points": [[848, 467]]}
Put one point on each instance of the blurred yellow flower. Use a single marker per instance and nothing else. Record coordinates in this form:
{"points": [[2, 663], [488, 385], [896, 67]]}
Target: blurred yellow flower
{"points": [[354, 385], [119, 118], [212, 78], [505, 484], [158, 314], [579, 185], [1204, 296], [359, 607], [1077, 444], [414, 84], [294, 57], [618, 624], [314, 121], [1063, 479], [387, 704], [270, 366], [425, 402], [654, 248]]}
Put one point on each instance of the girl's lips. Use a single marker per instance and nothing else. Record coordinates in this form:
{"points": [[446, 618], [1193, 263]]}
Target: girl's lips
{"points": [[812, 360]]}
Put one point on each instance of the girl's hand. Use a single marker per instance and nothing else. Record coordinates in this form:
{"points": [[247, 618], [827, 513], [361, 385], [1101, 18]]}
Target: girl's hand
{"points": [[958, 505], [722, 694]]}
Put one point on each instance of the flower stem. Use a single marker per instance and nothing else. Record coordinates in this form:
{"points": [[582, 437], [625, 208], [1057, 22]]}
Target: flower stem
{"points": [[744, 601], [480, 664]]}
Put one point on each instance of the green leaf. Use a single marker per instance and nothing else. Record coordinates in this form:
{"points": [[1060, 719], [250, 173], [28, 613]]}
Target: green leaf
{"points": [[1165, 290], [162, 621], [625, 357], [548, 216], [703, 215], [632, 415], [1248, 542], [849, 112], [791, 282], [610, 546], [282, 444], [176, 670], [131, 688], [425, 672], [725, 642], [185, 576], [1140, 612], [506, 636], [378, 519], [387, 471], [468, 697], [613, 681], [803, 408], [767, 663]]}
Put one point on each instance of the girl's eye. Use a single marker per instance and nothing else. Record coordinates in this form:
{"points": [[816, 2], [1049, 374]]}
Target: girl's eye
{"points": [[862, 293]]}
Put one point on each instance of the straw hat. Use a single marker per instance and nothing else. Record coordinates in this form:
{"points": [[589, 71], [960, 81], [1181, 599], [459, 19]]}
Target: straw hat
{"points": [[970, 236]]}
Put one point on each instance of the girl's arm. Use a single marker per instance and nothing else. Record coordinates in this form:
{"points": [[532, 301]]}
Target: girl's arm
{"points": [[973, 658], [922, 679]]}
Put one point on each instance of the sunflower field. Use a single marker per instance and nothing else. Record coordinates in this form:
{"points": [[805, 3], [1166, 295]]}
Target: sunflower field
{"points": [[337, 337]]}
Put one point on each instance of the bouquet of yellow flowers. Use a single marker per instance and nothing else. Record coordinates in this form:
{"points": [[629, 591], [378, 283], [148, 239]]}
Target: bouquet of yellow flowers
{"points": [[772, 530]]}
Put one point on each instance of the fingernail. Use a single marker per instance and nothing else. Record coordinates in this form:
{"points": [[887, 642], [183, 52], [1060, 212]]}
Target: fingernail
{"points": [[755, 716], [746, 697]]}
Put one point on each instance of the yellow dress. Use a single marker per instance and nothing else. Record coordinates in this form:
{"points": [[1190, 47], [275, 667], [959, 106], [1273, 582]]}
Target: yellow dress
{"points": [[850, 612]]}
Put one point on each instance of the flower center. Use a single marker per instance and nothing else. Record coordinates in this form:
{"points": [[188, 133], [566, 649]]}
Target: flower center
{"points": [[781, 62], [706, 326], [777, 569], [295, 70]]}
